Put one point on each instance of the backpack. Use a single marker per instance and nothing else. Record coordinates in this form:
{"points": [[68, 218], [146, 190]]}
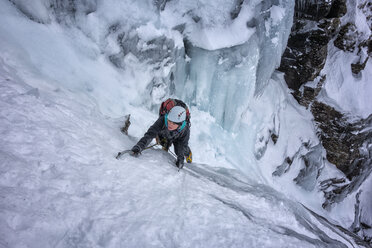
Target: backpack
{"points": [[168, 104]]}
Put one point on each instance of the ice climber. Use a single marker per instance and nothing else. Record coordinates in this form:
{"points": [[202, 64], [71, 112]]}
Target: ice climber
{"points": [[172, 127]]}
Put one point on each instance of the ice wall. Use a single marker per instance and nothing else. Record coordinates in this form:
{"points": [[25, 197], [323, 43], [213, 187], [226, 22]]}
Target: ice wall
{"points": [[217, 56], [214, 55], [221, 81], [129, 56], [227, 67]]}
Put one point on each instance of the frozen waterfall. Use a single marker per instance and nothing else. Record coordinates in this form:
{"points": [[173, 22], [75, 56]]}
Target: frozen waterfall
{"points": [[70, 71]]}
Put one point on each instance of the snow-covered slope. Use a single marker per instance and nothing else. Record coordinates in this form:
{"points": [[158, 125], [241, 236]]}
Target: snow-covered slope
{"points": [[61, 186]]}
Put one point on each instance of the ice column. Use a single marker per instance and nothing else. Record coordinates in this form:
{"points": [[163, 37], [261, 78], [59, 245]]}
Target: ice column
{"points": [[222, 81]]}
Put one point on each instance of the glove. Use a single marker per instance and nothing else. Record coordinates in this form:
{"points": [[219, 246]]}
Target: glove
{"points": [[136, 150], [179, 163]]}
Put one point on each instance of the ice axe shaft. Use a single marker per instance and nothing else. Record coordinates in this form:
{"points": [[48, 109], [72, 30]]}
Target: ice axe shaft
{"points": [[129, 151]]}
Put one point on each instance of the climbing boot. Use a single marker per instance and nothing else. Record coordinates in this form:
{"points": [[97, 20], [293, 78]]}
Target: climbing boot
{"points": [[189, 157]]}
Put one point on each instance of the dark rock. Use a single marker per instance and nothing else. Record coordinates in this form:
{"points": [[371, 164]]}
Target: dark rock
{"points": [[252, 23], [349, 147], [283, 168], [196, 18], [346, 39], [261, 149], [312, 10], [331, 182], [315, 24], [358, 67], [237, 7], [262, 142], [274, 138], [125, 127], [308, 95], [330, 26], [180, 28], [306, 52], [338, 9], [336, 136], [337, 193], [368, 44], [364, 52], [114, 28]]}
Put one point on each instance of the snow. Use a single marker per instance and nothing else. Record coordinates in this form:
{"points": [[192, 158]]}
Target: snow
{"points": [[366, 208], [343, 90], [277, 13], [62, 187], [217, 38], [225, 36], [63, 101], [148, 32]]}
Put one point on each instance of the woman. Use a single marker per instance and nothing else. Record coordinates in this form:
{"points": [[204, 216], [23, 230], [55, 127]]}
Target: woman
{"points": [[171, 128]]}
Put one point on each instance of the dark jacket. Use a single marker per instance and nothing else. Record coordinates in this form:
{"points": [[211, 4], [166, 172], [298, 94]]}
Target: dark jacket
{"points": [[180, 139]]}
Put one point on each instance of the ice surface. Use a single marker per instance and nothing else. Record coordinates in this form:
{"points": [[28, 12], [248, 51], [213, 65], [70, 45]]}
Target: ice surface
{"points": [[222, 89], [62, 187]]}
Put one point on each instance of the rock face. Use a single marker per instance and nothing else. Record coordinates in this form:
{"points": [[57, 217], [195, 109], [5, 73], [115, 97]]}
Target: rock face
{"points": [[347, 141], [306, 56], [341, 138], [303, 60], [348, 145], [315, 24]]}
